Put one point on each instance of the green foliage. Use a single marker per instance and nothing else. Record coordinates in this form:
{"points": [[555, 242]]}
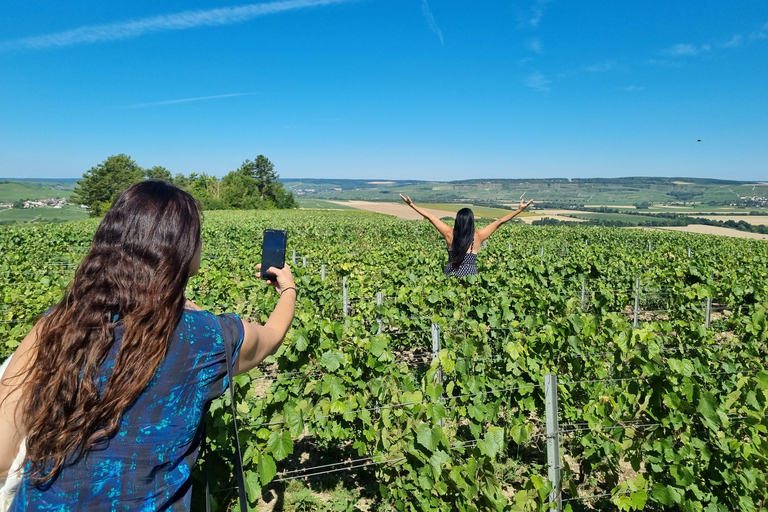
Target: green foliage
{"points": [[158, 172], [102, 184], [254, 186], [666, 416]]}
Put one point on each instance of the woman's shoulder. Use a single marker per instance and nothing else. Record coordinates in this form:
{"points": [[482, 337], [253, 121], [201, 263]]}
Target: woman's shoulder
{"points": [[191, 306]]}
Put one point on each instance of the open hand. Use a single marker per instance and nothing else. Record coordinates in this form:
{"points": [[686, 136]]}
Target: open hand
{"points": [[523, 206], [407, 200]]}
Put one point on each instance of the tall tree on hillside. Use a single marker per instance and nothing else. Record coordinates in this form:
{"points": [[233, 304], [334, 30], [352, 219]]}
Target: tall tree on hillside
{"points": [[270, 193], [102, 184], [158, 172], [265, 176]]}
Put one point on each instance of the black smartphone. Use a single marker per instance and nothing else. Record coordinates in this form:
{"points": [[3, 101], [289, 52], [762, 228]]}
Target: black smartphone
{"points": [[273, 251]]}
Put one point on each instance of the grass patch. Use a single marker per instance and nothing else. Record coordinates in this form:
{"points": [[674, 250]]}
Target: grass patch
{"points": [[11, 191], [67, 213], [320, 204]]}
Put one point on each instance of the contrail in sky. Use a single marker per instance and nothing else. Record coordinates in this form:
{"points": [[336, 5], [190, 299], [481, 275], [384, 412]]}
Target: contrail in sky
{"points": [[188, 100], [431, 20], [90, 34]]}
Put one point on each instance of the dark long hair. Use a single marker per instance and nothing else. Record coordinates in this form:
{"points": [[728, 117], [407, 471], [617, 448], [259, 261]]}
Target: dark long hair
{"points": [[134, 275], [463, 234]]}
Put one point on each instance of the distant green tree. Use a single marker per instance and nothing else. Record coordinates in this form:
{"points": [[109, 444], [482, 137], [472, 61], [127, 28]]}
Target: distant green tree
{"points": [[19, 204], [265, 176], [102, 184], [158, 172], [239, 190], [255, 185], [207, 190], [182, 181]]}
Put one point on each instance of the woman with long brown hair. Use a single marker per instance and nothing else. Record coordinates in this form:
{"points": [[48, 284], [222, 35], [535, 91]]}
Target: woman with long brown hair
{"points": [[462, 239], [111, 386]]}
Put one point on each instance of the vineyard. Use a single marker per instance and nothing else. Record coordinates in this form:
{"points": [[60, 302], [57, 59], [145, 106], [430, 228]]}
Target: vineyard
{"points": [[582, 369]]}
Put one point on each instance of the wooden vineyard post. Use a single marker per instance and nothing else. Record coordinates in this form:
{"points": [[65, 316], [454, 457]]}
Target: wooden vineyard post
{"points": [[689, 252], [650, 246], [637, 301], [293, 258], [708, 314], [553, 439], [583, 295], [304, 261], [322, 272]]}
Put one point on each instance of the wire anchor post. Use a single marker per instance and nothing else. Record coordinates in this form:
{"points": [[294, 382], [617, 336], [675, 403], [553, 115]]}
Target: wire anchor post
{"points": [[553, 439]]}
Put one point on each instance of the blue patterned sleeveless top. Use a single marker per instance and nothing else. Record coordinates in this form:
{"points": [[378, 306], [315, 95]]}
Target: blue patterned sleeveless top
{"points": [[147, 465], [468, 266]]}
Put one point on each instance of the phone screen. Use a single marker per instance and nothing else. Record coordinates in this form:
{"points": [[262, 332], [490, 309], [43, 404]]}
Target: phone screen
{"points": [[273, 251]]}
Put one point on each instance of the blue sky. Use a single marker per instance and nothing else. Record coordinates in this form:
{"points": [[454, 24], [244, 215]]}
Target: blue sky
{"points": [[397, 89]]}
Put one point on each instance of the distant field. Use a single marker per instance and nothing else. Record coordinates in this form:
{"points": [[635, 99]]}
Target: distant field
{"points": [[42, 214], [320, 204], [479, 211], [400, 209], [751, 219], [618, 193], [606, 216], [11, 191]]}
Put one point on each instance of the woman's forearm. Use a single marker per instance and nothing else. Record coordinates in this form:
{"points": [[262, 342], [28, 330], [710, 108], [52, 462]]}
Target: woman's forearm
{"points": [[421, 212], [508, 217], [282, 316]]}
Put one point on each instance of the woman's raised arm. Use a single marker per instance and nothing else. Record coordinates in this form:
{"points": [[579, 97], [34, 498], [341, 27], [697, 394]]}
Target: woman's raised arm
{"points": [[441, 226], [493, 226], [263, 340]]}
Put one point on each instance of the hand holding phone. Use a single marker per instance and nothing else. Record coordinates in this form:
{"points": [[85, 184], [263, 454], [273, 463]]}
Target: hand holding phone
{"points": [[273, 251]]}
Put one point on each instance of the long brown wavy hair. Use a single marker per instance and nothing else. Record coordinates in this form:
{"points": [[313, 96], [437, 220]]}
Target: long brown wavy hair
{"points": [[134, 276]]}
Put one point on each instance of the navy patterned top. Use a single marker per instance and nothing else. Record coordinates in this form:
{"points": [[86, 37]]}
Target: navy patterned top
{"points": [[468, 265], [147, 465]]}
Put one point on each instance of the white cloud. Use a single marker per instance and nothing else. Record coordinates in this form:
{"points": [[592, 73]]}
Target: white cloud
{"points": [[536, 13], [679, 50], [734, 42], [90, 34], [189, 100], [601, 67], [534, 45], [538, 82], [760, 34], [682, 49], [431, 20]]}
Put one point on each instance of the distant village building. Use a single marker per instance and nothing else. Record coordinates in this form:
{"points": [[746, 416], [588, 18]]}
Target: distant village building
{"points": [[40, 203]]}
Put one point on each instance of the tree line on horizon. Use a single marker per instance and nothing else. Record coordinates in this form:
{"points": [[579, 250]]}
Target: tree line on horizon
{"points": [[252, 186]]}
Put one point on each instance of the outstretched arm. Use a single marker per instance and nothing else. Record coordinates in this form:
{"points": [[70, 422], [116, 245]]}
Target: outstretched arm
{"points": [[262, 340], [441, 226], [493, 226]]}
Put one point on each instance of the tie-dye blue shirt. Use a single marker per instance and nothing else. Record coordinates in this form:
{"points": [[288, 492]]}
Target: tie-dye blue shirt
{"points": [[147, 465]]}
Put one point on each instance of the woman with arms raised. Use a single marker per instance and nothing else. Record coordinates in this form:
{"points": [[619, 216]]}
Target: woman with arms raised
{"points": [[111, 386], [463, 241]]}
